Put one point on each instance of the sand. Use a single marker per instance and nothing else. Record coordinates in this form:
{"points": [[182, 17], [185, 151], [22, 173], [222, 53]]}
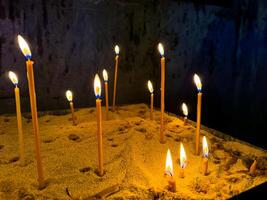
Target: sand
{"points": [[134, 160]]}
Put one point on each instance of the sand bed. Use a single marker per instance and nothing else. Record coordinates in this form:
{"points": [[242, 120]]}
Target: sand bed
{"points": [[134, 160]]}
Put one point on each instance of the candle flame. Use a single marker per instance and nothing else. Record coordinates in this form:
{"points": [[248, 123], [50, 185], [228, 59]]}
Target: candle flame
{"points": [[150, 86], [182, 156], [117, 49], [169, 166], [24, 47], [184, 109], [198, 82], [97, 86], [105, 75], [13, 77], [69, 95], [205, 147], [161, 49]]}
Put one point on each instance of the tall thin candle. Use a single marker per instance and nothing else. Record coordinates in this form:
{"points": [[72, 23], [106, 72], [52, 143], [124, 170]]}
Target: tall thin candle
{"points": [[150, 88], [162, 89], [105, 76], [117, 51], [30, 74], [69, 96], [199, 101], [14, 79], [97, 89]]}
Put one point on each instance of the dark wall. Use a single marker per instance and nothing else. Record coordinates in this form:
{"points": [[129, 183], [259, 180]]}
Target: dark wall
{"points": [[225, 42]]}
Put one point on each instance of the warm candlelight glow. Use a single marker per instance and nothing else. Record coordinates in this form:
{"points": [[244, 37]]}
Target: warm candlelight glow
{"points": [[117, 49], [205, 147], [169, 166], [13, 77], [105, 75], [150, 86], [161, 49], [97, 86], [185, 109], [69, 95], [24, 47], [198, 82], [182, 156]]}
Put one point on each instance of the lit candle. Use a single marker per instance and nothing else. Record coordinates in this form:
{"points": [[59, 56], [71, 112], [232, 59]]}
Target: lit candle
{"points": [[97, 89], [162, 89], [105, 76], [253, 167], [117, 51], [69, 96], [150, 88], [30, 74], [169, 172], [183, 160], [185, 112], [205, 156], [14, 80], [199, 97]]}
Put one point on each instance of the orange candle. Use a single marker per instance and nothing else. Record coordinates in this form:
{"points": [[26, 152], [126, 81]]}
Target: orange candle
{"points": [[69, 96], [183, 161], [30, 74], [117, 51], [150, 88], [97, 89], [205, 156], [105, 76], [199, 99], [169, 172], [162, 89], [185, 112], [14, 80]]}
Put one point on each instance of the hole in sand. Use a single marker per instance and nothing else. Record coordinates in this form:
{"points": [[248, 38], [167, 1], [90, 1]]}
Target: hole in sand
{"points": [[85, 169], [110, 139], [1, 146], [6, 120], [168, 135], [74, 137], [114, 145], [14, 159]]}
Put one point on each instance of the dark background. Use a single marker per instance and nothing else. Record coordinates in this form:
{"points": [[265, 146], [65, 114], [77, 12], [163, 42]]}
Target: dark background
{"points": [[224, 41]]}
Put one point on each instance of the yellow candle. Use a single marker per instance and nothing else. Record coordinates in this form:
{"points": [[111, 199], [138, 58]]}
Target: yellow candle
{"points": [[14, 80], [205, 156], [169, 172], [199, 97], [97, 89], [162, 89], [185, 112], [117, 51], [69, 96], [150, 88], [30, 74], [105, 76], [183, 161]]}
